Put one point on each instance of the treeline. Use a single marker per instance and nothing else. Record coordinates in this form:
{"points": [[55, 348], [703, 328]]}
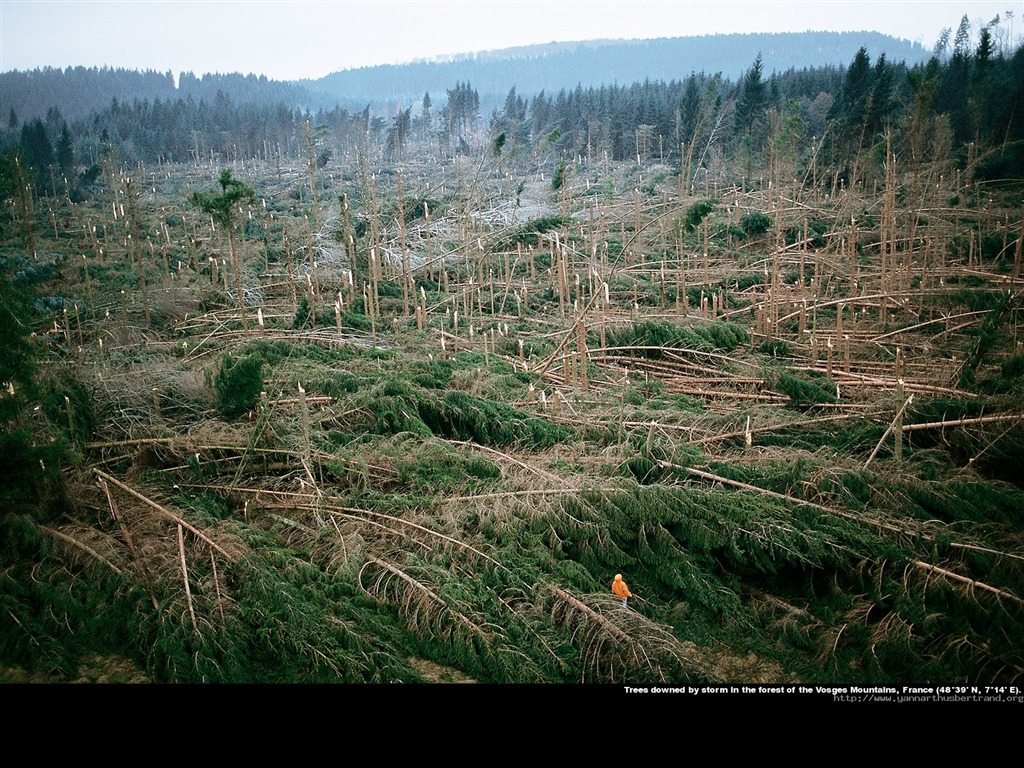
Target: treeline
{"points": [[963, 103], [78, 92], [816, 124]]}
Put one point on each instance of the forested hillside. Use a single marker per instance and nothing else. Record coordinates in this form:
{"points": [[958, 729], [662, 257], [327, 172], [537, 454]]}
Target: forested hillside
{"points": [[331, 395], [563, 66]]}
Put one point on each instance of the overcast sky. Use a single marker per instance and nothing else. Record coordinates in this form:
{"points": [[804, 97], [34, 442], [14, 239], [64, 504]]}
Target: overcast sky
{"points": [[295, 39]]}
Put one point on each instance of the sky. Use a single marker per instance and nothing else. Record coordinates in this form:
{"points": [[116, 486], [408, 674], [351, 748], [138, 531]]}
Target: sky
{"points": [[307, 39]]}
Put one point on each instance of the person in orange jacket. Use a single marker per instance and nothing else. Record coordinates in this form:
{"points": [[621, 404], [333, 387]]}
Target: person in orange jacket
{"points": [[619, 589]]}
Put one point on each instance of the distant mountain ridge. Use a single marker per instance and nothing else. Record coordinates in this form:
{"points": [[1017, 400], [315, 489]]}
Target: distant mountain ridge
{"points": [[552, 67]]}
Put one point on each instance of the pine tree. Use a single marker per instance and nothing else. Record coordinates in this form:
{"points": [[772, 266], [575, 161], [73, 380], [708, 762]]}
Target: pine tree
{"points": [[36, 150], [425, 117], [751, 101], [750, 110], [981, 85], [65, 152], [224, 210]]}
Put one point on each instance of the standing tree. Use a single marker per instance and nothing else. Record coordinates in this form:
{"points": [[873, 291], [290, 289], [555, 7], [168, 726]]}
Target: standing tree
{"points": [[750, 110], [398, 135], [425, 118], [461, 112], [36, 152], [65, 153], [954, 95], [702, 113], [225, 208], [318, 155], [863, 108]]}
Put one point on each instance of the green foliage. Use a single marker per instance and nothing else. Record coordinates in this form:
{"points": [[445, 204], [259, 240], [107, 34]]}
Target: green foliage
{"points": [[958, 500], [396, 406], [644, 390], [35, 152], [415, 208], [715, 336], [238, 384], [356, 321], [296, 623], [68, 406], [1008, 380], [553, 136], [688, 545], [303, 313], [989, 333], [805, 388], [76, 624], [755, 223], [746, 281], [1006, 163], [1013, 368], [696, 214], [30, 473], [558, 177], [435, 374], [252, 229], [775, 348], [815, 233], [849, 487], [31, 460], [389, 289], [433, 468], [274, 352], [498, 144], [223, 207], [17, 357], [529, 233]]}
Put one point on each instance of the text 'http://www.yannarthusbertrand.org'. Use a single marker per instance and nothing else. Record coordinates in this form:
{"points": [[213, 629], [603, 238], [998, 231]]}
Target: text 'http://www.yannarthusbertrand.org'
{"points": [[845, 693]]}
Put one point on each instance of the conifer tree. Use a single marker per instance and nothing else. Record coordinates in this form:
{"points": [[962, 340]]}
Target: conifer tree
{"points": [[224, 208], [750, 109], [36, 150], [65, 152]]}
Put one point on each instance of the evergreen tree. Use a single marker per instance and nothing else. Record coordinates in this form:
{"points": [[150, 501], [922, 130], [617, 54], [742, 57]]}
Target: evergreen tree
{"points": [[751, 101], [511, 120], [880, 105], [750, 108], [852, 105], [224, 210], [953, 95], [864, 106], [398, 136], [462, 110], [981, 86], [65, 153], [962, 39], [425, 116], [36, 150]]}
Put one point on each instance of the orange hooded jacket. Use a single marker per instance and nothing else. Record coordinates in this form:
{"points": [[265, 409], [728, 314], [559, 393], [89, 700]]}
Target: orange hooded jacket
{"points": [[619, 588]]}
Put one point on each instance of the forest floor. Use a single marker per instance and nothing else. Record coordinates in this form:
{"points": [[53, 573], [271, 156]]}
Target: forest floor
{"points": [[437, 423]]}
